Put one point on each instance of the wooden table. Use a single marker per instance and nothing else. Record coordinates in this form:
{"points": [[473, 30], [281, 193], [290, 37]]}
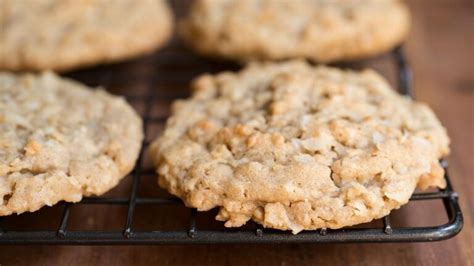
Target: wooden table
{"points": [[440, 50]]}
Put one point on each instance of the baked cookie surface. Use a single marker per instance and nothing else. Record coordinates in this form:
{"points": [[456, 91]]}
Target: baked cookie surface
{"points": [[67, 34], [320, 30], [60, 141], [297, 147]]}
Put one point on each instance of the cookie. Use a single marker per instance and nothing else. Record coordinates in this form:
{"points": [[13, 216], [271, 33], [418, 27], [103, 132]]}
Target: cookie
{"points": [[297, 147], [67, 34], [319, 30], [61, 141]]}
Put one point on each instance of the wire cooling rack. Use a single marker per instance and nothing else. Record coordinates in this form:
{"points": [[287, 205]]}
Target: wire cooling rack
{"points": [[179, 68]]}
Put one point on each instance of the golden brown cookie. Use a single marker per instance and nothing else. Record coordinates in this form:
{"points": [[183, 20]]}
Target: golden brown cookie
{"points": [[60, 140], [67, 34], [297, 147], [320, 30]]}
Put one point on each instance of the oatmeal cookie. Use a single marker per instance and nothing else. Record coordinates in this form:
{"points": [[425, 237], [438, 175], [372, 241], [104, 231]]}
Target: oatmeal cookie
{"points": [[320, 30], [297, 147], [60, 141], [67, 34]]}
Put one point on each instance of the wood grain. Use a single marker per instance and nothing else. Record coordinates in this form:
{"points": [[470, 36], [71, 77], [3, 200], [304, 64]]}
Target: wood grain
{"points": [[440, 50]]}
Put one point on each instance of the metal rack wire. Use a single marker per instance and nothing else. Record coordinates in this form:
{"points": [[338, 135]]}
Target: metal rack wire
{"points": [[194, 235]]}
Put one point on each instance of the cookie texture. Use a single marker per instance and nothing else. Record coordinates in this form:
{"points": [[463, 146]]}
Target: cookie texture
{"points": [[320, 30], [60, 141], [297, 147], [67, 34]]}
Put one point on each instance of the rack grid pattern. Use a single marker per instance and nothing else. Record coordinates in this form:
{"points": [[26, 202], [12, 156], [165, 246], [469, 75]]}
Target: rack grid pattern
{"points": [[193, 234]]}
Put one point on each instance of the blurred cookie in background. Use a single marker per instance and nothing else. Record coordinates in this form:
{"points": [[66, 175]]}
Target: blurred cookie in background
{"points": [[320, 30], [67, 34]]}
